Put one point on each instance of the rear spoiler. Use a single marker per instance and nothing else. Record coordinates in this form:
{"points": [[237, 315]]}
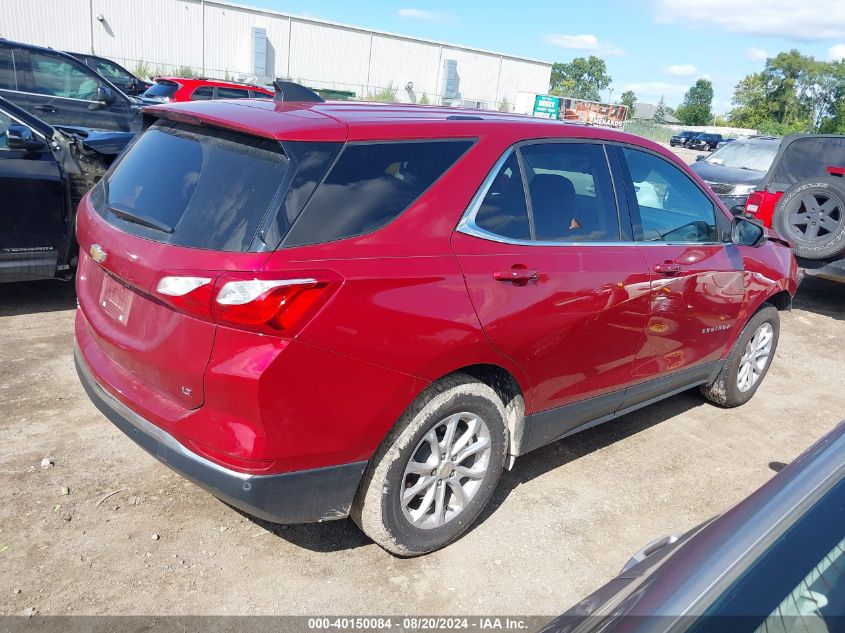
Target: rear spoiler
{"points": [[290, 91]]}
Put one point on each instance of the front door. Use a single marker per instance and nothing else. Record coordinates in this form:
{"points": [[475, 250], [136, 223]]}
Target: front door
{"points": [[697, 289], [64, 92], [555, 280]]}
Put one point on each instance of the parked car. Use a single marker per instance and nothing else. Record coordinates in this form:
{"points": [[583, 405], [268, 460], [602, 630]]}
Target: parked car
{"points": [[167, 89], [773, 562], [61, 90], [704, 141], [802, 196], [734, 171], [317, 310], [682, 138], [44, 171], [114, 72]]}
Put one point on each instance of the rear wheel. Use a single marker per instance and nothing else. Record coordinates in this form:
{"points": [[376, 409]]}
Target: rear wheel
{"points": [[436, 470], [748, 361], [811, 215]]}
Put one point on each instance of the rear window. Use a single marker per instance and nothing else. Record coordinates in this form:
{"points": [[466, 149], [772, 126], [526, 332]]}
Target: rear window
{"points": [[164, 89], [370, 185], [809, 157], [195, 187]]}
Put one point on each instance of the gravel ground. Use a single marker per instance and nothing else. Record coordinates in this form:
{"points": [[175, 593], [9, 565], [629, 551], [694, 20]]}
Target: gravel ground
{"points": [[561, 523]]}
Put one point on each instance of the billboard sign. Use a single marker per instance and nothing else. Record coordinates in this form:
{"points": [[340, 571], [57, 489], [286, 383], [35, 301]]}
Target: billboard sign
{"points": [[593, 113], [546, 106]]}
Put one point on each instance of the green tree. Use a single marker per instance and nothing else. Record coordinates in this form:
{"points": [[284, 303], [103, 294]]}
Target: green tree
{"points": [[387, 94], [660, 113], [629, 99], [696, 108], [424, 100], [582, 78]]}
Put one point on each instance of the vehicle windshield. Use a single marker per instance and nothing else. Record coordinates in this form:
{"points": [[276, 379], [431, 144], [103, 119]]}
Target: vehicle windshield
{"points": [[753, 155]]}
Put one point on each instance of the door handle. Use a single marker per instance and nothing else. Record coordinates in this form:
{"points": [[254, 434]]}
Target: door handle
{"points": [[523, 275], [45, 108], [667, 268]]}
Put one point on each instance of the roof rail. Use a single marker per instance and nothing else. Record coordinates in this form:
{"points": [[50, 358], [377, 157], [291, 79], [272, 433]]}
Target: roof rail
{"points": [[290, 91], [464, 117]]}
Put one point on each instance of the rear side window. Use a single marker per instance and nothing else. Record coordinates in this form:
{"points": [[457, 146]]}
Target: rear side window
{"points": [[572, 197], [7, 70], [504, 210], [195, 187], [232, 93], [59, 77], [370, 185], [203, 93], [162, 89]]}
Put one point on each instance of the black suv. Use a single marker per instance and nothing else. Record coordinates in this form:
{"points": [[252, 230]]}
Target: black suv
{"points": [[704, 141], [115, 73], [61, 90], [44, 172], [682, 138]]}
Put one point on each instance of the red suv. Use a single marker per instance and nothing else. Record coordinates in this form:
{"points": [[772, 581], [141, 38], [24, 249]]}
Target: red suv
{"points": [[167, 89], [316, 310]]}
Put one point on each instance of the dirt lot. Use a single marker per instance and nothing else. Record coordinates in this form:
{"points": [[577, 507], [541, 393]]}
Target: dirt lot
{"points": [[562, 522]]}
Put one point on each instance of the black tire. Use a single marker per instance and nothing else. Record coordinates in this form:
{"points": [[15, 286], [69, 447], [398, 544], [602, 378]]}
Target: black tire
{"points": [[377, 508], [725, 390], [811, 215]]}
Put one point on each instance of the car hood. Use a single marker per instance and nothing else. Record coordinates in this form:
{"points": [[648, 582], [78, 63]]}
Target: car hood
{"points": [[729, 175], [107, 142]]}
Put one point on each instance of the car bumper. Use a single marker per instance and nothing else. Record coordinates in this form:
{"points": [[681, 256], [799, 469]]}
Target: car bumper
{"points": [[305, 496]]}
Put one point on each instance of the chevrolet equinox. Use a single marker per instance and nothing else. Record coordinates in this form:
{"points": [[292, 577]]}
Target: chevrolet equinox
{"points": [[317, 310]]}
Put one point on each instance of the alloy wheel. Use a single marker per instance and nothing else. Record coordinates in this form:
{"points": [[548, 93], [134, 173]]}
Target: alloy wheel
{"points": [[445, 471], [754, 358], [815, 217]]}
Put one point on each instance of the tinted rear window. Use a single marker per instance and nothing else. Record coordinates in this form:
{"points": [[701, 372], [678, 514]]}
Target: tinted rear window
{"points": [[203, 93], [213, 188], [370, 185], [162, 89], [809, 157]]}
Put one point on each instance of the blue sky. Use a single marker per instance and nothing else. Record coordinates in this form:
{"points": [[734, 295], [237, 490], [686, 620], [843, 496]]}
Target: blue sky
{"points": [[655, 47]]}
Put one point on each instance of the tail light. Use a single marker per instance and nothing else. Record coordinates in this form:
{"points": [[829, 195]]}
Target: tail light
{"points": [[755, 199], [261, 302]]}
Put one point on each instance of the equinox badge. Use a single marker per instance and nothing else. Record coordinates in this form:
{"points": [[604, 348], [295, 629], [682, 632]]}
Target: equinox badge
{"points": [[97, 253]]}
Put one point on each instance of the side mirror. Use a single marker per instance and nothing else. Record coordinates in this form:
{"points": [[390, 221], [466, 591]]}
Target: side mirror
{"points": [[700, 157], [105, 97], [21, 137], [745, 232]]}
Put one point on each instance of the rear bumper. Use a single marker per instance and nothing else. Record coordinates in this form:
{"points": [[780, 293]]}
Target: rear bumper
{"points": [[305, 496]]}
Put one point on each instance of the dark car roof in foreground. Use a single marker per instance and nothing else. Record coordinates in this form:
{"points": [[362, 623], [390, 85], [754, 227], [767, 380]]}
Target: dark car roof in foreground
{"points": [[346, 120], [685, 580]]}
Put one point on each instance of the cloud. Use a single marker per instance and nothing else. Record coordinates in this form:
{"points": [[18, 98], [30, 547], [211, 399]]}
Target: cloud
{"points": [[806, 20], [422, 14], [836, 52], [756, 54], [586, 42], [681, 70], [651, 91]]}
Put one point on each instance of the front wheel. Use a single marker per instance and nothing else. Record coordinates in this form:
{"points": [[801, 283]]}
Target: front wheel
{"points": [[436, 470], [748, 361]]}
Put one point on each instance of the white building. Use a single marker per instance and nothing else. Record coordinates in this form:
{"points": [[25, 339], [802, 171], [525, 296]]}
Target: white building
{"points": [[216, 39]]}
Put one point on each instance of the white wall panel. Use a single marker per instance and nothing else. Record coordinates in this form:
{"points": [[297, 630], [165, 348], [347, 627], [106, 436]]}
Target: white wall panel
{"points": [[215, 37]]}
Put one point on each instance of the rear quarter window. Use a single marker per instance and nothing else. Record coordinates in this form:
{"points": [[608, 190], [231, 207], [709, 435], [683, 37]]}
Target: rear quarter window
{"points": [[370, 185]]}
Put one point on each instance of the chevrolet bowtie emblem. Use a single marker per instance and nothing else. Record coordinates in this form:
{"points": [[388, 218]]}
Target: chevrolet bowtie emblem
{"points": [[97, 253]]}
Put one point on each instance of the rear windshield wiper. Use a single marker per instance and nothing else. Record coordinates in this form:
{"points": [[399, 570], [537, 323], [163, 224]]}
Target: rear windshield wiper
{"points": [[124, 213]]}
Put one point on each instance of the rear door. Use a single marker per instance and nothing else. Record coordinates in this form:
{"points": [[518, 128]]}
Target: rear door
{"points": [[33, 209], [697, 280], [63, 91], [11, 76], [556, 282]]}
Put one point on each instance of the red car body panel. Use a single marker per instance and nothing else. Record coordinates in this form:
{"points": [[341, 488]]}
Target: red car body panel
{"points": [[187, 85], [417, 301]]}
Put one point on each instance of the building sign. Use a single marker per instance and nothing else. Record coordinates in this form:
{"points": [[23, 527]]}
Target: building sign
{"points": [[546, 106], [593, 113]]}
